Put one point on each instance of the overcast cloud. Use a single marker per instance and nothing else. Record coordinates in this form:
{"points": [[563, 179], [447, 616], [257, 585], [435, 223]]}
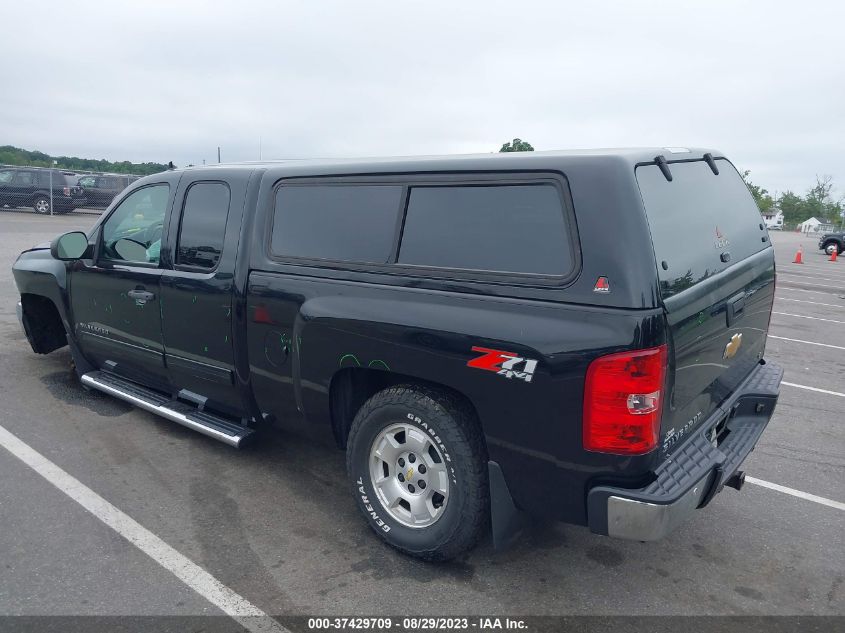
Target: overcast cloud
{"points": [[157, 81]]}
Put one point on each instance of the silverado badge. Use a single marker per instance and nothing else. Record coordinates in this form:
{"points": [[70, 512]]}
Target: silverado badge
{"points": [[733, 346]]}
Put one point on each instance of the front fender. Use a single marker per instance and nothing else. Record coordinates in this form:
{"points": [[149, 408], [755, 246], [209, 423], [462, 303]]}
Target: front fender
{"points": [[37, 273]]}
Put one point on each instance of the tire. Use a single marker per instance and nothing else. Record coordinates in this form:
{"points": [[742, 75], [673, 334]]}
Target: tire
{"points": [[443, 527], [828, 248], [41, 204]]}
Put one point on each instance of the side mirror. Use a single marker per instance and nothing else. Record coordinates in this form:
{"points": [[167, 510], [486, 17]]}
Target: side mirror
{"points": [[69, 246]]}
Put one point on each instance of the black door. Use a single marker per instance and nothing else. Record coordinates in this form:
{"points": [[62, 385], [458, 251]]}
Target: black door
{"points": [[6, 177], [115, 298], [88, 184], [23, 186], [197, 288]]}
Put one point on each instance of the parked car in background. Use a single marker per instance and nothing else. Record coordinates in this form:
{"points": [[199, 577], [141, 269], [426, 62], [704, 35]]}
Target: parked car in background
{"points": [[30, 187], [830, 242], [99, 191]]}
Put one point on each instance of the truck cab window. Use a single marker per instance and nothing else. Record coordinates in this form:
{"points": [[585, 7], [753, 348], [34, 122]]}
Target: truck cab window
{"points": [[133, 231], [203, 225]]}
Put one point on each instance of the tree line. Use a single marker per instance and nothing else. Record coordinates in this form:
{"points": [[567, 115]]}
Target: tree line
{"points": [[818, 202], [10, 155]]}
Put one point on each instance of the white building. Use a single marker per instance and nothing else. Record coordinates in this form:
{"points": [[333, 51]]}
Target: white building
{"points": [[773, 218], [814, 225]]}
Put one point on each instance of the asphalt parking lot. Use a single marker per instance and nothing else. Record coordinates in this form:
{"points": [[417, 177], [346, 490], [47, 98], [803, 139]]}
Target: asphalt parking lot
{"points": [[275, 522]]}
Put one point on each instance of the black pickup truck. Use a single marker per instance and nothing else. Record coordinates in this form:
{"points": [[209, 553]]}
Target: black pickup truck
{"points": [[830, 242], [577, 335]]}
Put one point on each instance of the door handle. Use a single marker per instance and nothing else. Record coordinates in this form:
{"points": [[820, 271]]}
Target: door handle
{"points": [[141, 296], [735, 308]]}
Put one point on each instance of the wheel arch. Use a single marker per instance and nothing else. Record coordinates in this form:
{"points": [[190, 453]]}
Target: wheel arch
{"points": [[43, 324], [839, 243], [351, 387]]}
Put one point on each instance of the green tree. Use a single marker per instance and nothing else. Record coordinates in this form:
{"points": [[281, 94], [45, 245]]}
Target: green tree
{"points": [[792, 206], [10, 155], [820, 203], [761, 196], [517, 145]]}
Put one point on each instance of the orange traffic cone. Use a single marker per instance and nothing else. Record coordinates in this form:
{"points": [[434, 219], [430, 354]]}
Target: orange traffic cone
{"points": [[799, 256], [833, 254]]}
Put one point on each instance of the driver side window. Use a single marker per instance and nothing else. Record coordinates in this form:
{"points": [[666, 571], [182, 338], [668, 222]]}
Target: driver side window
{"points": [[132, 233]]}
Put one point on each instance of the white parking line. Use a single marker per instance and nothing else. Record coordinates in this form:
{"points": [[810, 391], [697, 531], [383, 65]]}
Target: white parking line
{"points": [[817, 303], [827, 391], [801, 316], [815, 292], [240, 609], [795, 340], [826, 268], [796, 493], [816, 278], [806, 283]]}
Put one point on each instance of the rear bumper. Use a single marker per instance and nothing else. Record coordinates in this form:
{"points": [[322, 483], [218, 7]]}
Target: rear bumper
{"points": [[694, 472]]}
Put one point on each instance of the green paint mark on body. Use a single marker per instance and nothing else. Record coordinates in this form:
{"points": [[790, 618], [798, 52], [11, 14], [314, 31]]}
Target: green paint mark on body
{"points": [[351, 357]]}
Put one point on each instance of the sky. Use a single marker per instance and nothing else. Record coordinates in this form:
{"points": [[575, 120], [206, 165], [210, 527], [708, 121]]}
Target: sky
{"points": [[764, 82]]}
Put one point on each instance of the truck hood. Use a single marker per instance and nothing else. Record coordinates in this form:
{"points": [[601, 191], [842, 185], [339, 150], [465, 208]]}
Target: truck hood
{"points": [[44, 246]]}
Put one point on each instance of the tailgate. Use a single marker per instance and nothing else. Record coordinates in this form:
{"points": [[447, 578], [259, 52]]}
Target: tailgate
{"points": [[716, 272]]}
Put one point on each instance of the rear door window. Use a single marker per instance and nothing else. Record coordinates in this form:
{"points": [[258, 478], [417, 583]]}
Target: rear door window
{"points": [[203, 225], [355, 223], [519, 228], [700, 223]]}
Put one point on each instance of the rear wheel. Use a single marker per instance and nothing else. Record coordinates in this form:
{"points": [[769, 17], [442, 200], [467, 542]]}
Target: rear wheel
{"points": [[41, 204], [417, 462]]}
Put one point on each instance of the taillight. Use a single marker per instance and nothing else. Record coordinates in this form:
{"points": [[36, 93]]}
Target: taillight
{"points": [[623, 399], [67, 191]]}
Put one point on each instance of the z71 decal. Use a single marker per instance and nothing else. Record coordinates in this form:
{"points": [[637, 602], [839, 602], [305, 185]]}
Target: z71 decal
{"points": [[505, 364]]}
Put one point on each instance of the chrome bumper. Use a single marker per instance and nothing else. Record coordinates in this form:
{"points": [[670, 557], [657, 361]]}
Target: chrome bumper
{"points": [[19, 311], [643, 521], [694, 472]]}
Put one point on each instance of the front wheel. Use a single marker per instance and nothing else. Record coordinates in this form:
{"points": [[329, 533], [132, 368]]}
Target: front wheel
{"points": [[417, 462], [41, 204], [832, 246]]}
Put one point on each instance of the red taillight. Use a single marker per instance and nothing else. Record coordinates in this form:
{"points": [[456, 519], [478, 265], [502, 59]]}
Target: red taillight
{"points": [[623, 399], [67, 191]]}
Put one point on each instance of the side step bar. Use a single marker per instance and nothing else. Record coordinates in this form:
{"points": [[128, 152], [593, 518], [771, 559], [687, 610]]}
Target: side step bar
{"points": [[203, 422]]}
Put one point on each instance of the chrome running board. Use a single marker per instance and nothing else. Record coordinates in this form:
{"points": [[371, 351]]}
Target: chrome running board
{"points": [[209, 424]]}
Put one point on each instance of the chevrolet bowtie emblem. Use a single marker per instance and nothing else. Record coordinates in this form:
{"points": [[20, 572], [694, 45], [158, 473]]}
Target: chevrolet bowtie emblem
{"points": [[410, 473], [733, 346]]}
